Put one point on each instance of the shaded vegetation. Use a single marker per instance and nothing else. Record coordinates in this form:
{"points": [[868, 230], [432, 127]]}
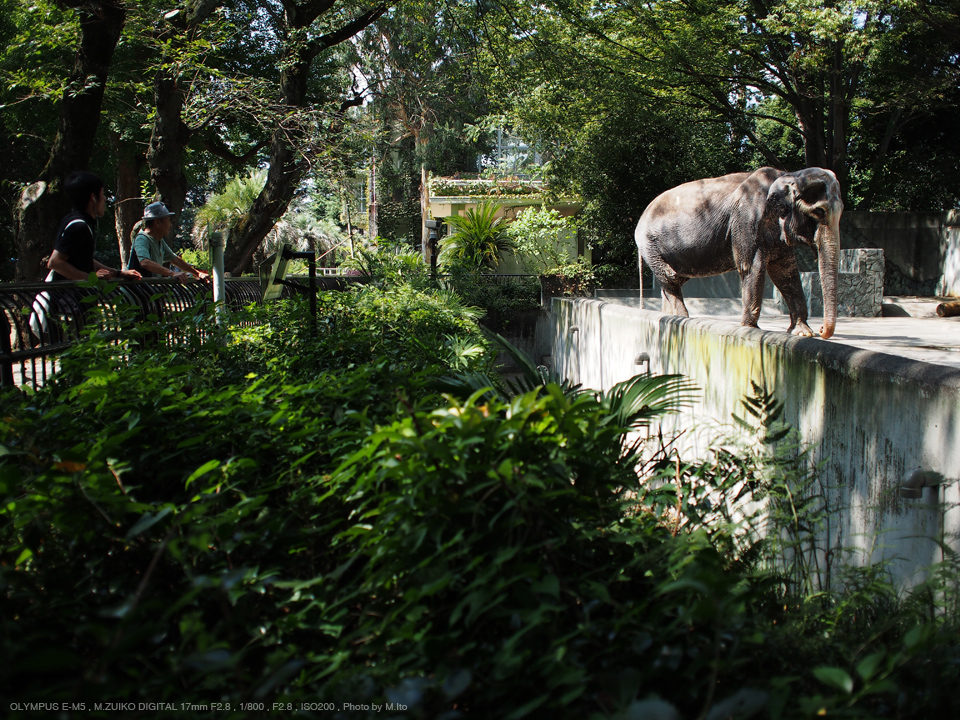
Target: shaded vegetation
{"points": [[283, 519]]}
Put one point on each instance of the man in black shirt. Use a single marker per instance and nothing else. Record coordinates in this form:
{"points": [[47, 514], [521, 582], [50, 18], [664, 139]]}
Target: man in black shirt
{"points": [[72, 257]]}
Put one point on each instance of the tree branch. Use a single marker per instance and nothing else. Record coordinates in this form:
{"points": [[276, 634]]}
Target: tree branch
{"points": [[346, 32], [213, 144]]}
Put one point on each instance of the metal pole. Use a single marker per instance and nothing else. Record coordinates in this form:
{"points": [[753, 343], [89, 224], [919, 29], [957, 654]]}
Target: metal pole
{"points": [[312, 264], [6, 352], [219, 284]]}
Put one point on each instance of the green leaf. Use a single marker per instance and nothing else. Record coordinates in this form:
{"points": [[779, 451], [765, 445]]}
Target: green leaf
{"points": [[147, 521], [202, 470], [835, 677], [868, 666], [914, 637], [549, 585], [527, 708], [745, 703], [651, 709]]}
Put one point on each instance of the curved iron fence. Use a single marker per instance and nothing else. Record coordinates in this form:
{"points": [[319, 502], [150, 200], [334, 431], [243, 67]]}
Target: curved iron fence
{"points": [[38, 321]]}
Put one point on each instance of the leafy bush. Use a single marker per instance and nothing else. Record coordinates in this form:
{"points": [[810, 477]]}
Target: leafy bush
{"points": [[390, 263], [541, 237], [397, 326], [306, 520], [500, 301]]}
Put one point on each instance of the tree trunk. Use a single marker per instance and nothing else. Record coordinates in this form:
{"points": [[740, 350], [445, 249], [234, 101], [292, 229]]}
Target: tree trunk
{"points": [[287, 146], [170, 135], [128, 209], [840, 113], [373, 226], [811, 121], [42, 204], [284, 175], [167, 145]]}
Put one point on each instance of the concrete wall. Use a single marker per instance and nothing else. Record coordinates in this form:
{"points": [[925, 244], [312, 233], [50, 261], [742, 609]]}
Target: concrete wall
{"points": [[922, 250], [869, 417], [950, 252], [726, 285]]}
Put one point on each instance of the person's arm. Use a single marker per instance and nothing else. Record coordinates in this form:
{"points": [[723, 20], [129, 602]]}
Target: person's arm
{"points": [[141, 244], [188, 268], [156, 268], [60, 263], [109, 273]]}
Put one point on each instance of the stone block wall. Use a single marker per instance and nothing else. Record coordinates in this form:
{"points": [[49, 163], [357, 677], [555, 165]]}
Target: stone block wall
{"points": [[859, 285], [913, 261]]}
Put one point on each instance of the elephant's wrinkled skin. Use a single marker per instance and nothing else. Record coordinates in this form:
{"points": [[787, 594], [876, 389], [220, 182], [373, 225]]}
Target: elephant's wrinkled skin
{"points": [[747, 222]]}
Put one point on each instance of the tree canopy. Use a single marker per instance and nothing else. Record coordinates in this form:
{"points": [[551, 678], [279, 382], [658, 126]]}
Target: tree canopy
{"points": [[623, 98]]}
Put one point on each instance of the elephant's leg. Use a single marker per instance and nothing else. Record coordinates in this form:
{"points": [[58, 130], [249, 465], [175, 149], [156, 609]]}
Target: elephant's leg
{"points": [[670, 282], [673, 296], [785, 274], [752, 277]]}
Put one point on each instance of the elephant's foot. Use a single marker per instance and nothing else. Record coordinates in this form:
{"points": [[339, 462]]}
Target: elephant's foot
{"points": [[801, 329]]}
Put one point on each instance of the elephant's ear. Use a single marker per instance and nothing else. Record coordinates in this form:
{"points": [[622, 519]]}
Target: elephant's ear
{"points": [[751, 206], [783, 196]]}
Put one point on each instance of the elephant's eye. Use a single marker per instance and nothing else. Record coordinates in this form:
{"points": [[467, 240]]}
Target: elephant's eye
{"points": [[819, 213]]}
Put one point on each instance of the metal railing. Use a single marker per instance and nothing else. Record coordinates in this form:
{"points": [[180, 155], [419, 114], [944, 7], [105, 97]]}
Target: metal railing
{"points": [[38, 321]]}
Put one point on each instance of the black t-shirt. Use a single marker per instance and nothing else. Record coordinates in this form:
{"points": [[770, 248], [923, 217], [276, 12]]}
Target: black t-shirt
{"points": [[75, 239]]}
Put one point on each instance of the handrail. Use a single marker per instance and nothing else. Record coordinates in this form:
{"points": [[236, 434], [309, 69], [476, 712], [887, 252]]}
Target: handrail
{"points": [[39, 320]]}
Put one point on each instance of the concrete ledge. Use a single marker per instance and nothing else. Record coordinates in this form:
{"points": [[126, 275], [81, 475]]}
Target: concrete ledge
{"points": [[869, 417]]}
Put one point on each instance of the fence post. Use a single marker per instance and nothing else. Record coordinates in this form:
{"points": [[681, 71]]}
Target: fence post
{"points": [[6, 351], [219, 286]]}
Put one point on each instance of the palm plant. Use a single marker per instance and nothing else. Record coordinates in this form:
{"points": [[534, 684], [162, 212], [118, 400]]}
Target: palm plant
{"points": [[385, 265], [479, 239], [223, 212], [633, 403], [301, 231], [298, 229]]}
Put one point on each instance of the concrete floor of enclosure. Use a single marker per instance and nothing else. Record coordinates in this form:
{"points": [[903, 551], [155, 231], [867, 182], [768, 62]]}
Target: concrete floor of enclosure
{"points": [[909, 329], [877, 400]]}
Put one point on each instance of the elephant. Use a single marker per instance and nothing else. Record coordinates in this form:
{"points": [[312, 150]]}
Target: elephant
{"points": [[748, 222]]}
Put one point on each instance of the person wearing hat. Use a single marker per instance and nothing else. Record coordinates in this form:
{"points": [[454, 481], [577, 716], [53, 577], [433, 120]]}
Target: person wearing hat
{"points": [[150, 250]]}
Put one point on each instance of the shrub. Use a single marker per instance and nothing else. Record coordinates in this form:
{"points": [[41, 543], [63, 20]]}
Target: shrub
{"points": [[499, 301], [305, 520], [479, 239]]}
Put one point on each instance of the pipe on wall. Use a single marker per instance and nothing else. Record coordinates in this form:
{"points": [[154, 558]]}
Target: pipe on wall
{"points": [[916, 480]]}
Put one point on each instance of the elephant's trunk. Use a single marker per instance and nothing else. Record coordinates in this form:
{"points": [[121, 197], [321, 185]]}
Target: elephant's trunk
{"points": [[828, 249]]}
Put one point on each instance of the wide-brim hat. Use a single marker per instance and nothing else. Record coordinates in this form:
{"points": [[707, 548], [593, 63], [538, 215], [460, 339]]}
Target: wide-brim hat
{"points": [[156, 210]]}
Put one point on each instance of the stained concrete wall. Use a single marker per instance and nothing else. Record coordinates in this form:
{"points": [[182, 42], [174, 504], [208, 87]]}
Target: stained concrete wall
{"points": [[869, 417], [922, 250]]}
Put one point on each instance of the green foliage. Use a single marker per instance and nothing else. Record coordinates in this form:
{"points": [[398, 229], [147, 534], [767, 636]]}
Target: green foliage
{"points": [[572, 279], [298, 519], [464, 185], [501, 301], [479, 238], [224, 211], [198, 258], [541, 239], [390, 263], [400, 220]]}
